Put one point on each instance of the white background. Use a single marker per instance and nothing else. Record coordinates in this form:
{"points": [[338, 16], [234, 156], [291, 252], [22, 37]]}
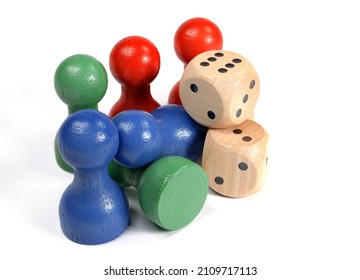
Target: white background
{"points": [[304, 224]]}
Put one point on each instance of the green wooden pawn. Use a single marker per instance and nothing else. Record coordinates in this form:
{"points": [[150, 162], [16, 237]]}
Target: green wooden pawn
{"points": [[171, 191], [124, 176], [80, 82]]}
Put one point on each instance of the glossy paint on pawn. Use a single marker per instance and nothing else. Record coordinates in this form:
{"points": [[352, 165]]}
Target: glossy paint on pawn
{"points": [[182, 136], [93, 209], [140, 138], [81, 82], [172, 191], [134, 62]]}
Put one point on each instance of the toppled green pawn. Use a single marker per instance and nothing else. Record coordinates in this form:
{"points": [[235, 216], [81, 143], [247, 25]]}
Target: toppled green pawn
{"points": [[171, 191]]}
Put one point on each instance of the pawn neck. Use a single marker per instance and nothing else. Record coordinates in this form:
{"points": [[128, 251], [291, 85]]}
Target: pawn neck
{"points": [[75, 108]]}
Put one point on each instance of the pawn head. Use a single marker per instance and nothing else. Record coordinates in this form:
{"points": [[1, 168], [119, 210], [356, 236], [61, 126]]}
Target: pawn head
{"points": [[81, 81], [195, 36], [140, 138], [88, 139], [134, 61]]}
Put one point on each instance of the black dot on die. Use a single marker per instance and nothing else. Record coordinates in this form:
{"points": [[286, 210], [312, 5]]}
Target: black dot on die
{"points": [[219, 54], [247, 138], [245, 98], [238, 113], [243, 166], [204, 63], [212, 59], [252, 84], [211, 115], [229, 65], [236, 60], [222, 70], [237, 131], [194, 88], [218, 180]]}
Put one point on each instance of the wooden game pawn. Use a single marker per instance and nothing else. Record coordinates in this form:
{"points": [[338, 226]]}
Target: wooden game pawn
{"points": [[134, 63], [171, 191], [167, 131], [193, 37], [93, 209], [81, 82]]}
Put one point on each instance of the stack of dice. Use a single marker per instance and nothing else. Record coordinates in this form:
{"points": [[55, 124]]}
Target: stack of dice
{"points": [[157, 149], [219, 89]]}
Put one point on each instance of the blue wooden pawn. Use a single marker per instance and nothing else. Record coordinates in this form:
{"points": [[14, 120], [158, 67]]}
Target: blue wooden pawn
{"points": [[140, 138], [182, 136], [93, 209]]}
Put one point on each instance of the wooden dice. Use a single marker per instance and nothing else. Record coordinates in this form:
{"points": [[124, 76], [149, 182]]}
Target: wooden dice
{"points": [[219, 89], [235, 159]]}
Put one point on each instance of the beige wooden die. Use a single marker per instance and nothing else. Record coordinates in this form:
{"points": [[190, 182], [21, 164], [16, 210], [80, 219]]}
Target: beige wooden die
{"points": [[235, 159], [219, 89]]}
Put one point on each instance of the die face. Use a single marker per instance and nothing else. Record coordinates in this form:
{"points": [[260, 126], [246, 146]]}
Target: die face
{"points": [[219, 89], [241, 138], [238, 180], [235, 159]]}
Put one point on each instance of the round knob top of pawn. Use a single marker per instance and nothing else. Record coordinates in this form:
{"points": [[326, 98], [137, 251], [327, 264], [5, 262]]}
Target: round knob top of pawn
{"points": [[88, 140], [140, 138], [195, 36], [80, 80], [134, 61]]}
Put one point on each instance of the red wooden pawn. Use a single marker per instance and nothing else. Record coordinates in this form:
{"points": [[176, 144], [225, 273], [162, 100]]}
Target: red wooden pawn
{"points": [[193, 37], [134, 63]]}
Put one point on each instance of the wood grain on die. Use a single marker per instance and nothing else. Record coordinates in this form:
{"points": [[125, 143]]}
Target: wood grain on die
{"points": [[235, 159], [219, 89]]}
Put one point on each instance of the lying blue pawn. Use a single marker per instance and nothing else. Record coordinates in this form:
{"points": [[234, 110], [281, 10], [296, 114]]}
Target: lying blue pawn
{"points": [[182, 136], [93, 209], [167, 131], [140, 138]]}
